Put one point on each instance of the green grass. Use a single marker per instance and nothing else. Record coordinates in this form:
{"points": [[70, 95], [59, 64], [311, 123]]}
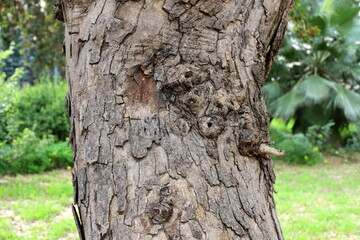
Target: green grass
{"points": [[36, 207], [319, 202], [6, 233], [52, 185], [36, 210]]}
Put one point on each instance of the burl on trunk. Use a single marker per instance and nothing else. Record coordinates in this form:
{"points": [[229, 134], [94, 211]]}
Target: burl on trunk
{"points": [[169, 125]]}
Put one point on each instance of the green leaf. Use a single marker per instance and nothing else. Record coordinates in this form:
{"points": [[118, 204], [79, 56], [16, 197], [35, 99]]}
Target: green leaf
{"points": [[272, 91], [355, 71], [349, 102], [351, 31], [319, 21], [344, 13], [315, 89], [285, 106], [327, 7]]}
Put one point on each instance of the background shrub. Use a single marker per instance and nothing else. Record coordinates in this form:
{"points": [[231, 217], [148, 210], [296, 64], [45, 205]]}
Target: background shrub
{"points": [[33, 123], [298, 148], [59, 154], [25, 155], [30, 154], [4, 150], [7, 91], [40, 108], [318, 135], [353, 138]]}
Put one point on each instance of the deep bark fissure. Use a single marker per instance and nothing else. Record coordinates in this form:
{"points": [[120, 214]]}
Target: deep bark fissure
{"points": [[168, 117]]}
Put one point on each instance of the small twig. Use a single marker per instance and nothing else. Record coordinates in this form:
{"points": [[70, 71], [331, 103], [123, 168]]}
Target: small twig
{"points": [[266, 149]]}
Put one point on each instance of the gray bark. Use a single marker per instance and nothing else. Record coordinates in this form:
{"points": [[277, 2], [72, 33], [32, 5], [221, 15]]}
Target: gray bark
{"points": [[168, 117]]}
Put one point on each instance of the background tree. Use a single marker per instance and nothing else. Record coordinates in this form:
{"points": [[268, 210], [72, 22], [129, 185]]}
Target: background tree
{"points": [[28, 25], [169, 126], [316, 77]]}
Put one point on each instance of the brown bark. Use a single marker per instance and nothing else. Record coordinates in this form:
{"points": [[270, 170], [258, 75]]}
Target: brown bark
{"points": [[168, 117]]}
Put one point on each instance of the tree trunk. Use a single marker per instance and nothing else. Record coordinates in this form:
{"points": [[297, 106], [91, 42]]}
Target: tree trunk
{"points": [[169, 125]]}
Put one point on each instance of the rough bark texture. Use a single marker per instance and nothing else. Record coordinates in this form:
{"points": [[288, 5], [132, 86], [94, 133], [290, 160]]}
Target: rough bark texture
{"points": [[168, 115]]}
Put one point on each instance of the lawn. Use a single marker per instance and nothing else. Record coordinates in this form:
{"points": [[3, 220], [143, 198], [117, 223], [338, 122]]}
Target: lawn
{"points": [[36, 207], [318, 202]]}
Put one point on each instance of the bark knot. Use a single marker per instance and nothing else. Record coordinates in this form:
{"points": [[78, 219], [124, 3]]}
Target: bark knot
{"points": [[160, 212], [211, 126]]}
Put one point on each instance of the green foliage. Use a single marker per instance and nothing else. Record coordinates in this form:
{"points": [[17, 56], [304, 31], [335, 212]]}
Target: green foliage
{"points": [[5, 55], [353, 143], [316, 77], [32, 119], [30, 25], [40, 108], [318, 135], [4, 158], [353, 138], [59, 154], [29, 154], [297, 147], [7, 90], [280, 124], [25, 155]]}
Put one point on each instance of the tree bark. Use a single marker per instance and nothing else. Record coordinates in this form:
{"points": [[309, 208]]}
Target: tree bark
{"points": [[168, 117]]}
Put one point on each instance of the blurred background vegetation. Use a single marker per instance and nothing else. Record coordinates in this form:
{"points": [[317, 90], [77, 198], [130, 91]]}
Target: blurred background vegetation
{"points": [[35, 39], [312, 91], [34, 123], [314, 84]]}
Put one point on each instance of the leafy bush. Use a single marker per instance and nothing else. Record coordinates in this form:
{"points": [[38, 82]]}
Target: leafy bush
{"points": [[353, 138], [32, 119], [29, 154], [40, 108], [7, 90], [318, 135], [297, 147], [353, 143], [4, 150], [59, 154], [25, 155]]}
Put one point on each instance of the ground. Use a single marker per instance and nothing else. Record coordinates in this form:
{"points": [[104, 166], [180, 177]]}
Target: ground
{"points": [[36, 207], [313, 202], [319, 202]]}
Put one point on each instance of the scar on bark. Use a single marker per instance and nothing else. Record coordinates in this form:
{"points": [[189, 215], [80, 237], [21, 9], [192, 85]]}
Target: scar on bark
{"points": [[141, 88]]}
